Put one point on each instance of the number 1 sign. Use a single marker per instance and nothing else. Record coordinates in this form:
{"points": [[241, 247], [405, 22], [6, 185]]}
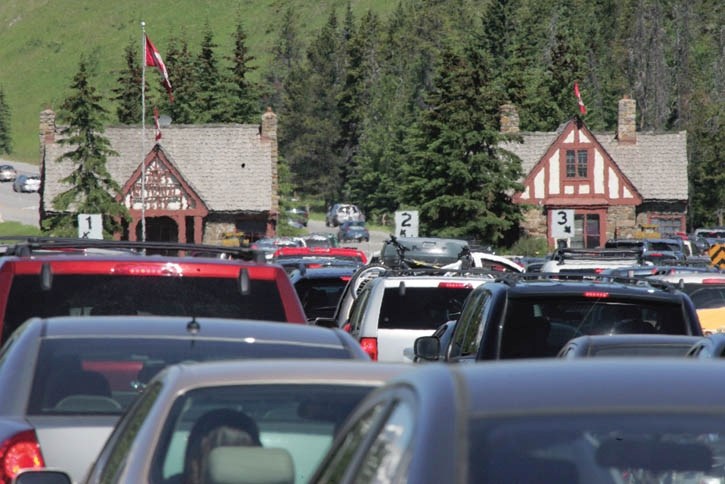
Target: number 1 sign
{"points": [[406, 223], [90, 226]]}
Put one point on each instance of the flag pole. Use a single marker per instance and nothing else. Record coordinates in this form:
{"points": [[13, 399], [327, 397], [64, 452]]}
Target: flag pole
{"points": [[143, 133]]}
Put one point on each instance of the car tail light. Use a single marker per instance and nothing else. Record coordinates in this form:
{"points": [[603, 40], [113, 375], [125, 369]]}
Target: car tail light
{"points": [[370, 346], [21, 451], [597, 294], [455, 285], [713, 280], [345, 278], [168, 269]]}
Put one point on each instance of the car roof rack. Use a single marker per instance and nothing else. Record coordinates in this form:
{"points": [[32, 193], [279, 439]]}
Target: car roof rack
{"points": [[593, 277], [564, 254], [25, 246]]}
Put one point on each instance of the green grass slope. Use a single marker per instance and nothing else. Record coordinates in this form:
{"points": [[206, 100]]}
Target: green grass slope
{"points": [[41, 42]]}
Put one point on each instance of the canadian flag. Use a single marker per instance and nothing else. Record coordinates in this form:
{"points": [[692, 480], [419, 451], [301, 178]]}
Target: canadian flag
{"points": [[156, 123], [153, 59], [582, 107]]}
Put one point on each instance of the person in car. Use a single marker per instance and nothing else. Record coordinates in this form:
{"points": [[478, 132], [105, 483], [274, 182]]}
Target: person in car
{"points": [[220, 427]]}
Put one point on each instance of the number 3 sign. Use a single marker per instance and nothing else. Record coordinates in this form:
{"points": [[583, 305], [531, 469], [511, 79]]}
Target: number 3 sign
{"points": [[562, 224], [406, 223]]}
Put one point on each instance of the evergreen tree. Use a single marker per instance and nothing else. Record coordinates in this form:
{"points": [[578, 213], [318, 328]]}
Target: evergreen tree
{"points": [[128, 91], [458, 176], [244, 104], [310, 129], [287, 54], [92, 189], [180, 64], [211, 99], [6, 145]]}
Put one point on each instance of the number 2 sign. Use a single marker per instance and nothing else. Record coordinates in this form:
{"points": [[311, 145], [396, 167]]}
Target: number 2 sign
{"points": [[562, 224], [406, 223]]}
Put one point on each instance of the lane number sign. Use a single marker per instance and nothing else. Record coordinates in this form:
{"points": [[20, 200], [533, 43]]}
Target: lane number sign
{"points": [[562, 224], [90, 226], [406, 223]]}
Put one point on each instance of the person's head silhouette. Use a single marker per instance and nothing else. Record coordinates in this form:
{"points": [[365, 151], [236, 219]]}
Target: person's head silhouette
{"points": [[221, 427]]}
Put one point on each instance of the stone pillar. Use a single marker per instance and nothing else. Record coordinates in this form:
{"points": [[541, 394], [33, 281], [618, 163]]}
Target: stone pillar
{"points": [[509, 119], [627, 120], [269, 133], [47, 127]]}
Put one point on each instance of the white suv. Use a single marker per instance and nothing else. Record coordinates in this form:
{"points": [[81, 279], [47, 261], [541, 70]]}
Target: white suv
{"points": [[392, 311], [343, 212]]}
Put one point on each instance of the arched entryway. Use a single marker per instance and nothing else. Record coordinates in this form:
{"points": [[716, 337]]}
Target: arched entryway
{"points": [[159, 229]]}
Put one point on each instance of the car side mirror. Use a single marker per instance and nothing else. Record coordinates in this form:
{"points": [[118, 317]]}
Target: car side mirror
{"points": [[42, 476], [427, 348], [325, 322]]}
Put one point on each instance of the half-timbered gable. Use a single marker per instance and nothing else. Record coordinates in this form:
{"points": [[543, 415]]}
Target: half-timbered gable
{"points": [[577, 170], [612, 183]]}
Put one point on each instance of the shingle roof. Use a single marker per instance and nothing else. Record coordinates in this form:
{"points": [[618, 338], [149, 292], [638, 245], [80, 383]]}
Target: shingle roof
{"points": [[656, 164], [228, 165]]}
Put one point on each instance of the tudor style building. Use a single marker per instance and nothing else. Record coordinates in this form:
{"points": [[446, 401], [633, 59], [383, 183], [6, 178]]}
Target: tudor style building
{"points": [[201, 180], [613, 183]]}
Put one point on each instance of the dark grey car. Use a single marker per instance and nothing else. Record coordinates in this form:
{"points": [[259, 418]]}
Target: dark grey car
{"points": [[608, 420], [67, 380]]}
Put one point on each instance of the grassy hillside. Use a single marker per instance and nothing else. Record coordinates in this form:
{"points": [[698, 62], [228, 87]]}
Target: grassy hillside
{"points": [[41, 42]]}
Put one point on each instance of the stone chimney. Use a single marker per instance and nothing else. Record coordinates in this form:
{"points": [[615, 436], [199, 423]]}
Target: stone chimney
{"points": [[509, 119], [268, 132], [47, 127], [627, 120]]}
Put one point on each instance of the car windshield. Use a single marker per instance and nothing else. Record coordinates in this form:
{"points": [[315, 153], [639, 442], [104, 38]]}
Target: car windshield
{"points": [[637, 448], [80, 295], [320, 296], [541, 326], [421, 307], [95, 375], [299, 418]]}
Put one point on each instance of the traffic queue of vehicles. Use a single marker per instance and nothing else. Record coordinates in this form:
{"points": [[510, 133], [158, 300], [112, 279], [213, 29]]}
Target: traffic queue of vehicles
{"points": [[171, 363]]}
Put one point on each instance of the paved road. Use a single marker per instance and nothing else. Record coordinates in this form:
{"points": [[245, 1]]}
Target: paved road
{"points": [[376, 237], [19, 207]]}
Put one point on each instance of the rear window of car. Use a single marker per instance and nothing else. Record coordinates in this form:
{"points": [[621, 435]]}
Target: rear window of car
{"points": [[540, 327], [104, 375], [300, 418], [320, 296], [420, 307], [79, 295]]}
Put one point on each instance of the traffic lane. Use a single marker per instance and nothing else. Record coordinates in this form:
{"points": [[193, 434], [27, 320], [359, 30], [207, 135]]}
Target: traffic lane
{"points": [[377, 237], [19, 207]]}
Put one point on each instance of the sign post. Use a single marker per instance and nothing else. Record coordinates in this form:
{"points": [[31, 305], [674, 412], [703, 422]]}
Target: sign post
{"points": [[406, 223], [90, 226]]}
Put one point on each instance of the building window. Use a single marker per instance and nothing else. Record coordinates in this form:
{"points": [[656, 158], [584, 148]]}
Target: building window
{"points": [[586, 231], [577, 162]]}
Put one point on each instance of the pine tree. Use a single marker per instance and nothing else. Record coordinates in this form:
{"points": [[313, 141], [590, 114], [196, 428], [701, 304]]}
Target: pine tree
{"points": [[287, 54], [244, 105], [458, 176], [6, 145], [211, 102], [128, 91], [180, 64], [92, 189]]}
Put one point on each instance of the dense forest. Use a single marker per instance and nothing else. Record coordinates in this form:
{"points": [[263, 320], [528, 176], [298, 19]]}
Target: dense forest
{"points": [[403, 111]]}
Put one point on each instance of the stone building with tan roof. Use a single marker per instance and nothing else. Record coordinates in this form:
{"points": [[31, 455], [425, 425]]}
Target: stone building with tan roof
{"points": [[200, 180], [613, 183]]}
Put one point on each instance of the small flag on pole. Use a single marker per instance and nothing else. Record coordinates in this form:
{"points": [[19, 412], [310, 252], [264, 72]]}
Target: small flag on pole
{"points": [[582, 107], [153, 59], [156, 123]]}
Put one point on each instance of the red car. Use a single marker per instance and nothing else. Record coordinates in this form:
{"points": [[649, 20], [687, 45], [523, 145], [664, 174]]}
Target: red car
{"points": [[76, 281], [318, 252]]}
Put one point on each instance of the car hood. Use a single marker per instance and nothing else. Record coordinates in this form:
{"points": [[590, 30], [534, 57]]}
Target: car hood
{"points": [[72, 443]]}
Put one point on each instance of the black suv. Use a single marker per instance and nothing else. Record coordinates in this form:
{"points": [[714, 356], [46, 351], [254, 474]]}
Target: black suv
{"points": [[534, 316]]}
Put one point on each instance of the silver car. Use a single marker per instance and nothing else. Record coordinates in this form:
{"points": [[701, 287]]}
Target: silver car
{"points": [[273, 420], [7, 173], [26, 184], [66, 381]]}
